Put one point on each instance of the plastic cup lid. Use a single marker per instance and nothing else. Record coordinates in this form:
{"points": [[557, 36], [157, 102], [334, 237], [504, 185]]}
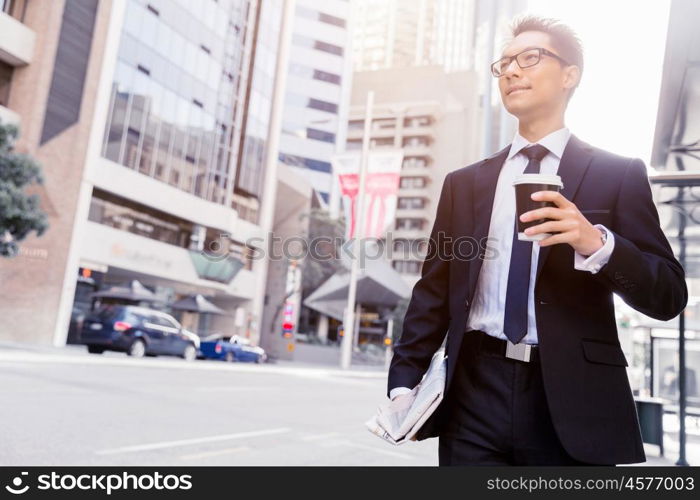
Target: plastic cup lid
{"points": [[551, 179]]}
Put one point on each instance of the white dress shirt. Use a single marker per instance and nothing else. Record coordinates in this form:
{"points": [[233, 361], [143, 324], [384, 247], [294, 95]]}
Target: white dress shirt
{"points": [[488, 304]]}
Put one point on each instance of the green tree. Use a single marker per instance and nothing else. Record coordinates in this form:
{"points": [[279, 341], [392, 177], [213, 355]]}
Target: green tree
{"points": [[20, 213], [398, 314], [325, 232]]}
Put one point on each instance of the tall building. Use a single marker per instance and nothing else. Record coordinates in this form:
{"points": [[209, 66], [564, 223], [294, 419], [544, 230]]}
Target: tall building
{"points": [[318, 91], [491, 29], [150, 120], [17, 45], [434, 117], [401, 33]]}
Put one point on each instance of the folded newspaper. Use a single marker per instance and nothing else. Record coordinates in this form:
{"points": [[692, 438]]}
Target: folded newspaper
{"points": [[399, 420]]}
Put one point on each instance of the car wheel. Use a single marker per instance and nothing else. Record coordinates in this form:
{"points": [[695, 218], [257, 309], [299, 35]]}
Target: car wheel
{"points": [[137, 349], [190, 353], [95, 349], [230, 358]]}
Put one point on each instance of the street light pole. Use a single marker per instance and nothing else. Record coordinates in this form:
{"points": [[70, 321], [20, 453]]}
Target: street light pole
{"points": [[349, 323]]}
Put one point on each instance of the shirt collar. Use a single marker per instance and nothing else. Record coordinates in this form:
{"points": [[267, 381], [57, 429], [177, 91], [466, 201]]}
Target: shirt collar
{"points": [[554, 141]]}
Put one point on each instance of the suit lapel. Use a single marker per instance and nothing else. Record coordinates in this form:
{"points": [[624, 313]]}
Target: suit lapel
{"points": [[483, 193], [572, 167]]}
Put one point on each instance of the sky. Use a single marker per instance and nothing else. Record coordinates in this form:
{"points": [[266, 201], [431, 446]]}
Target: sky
{"points": [[615, 105]]}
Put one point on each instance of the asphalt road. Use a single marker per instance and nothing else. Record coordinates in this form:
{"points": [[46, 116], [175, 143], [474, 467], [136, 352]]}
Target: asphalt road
{"points": [[66, 407], [70, 408]]}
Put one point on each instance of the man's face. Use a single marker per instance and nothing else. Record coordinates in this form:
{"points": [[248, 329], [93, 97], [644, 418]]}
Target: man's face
{"points": [[536, 90]]}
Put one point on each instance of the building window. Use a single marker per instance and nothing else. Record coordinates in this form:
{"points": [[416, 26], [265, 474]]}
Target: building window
{"points": [[299, 161], [328, 47], [320, 135], [171, 112], [327, 18], [409, 223], [324, 76], [320, 16], [413, 182], [316, 74], [356, 124], [322, 105], [5, 80], [407, 266], [417, 121], [126, 215], [310, 43], [318, 165], [411, 202], [415, 161], [382, 142], [384, 123], [416, 141], [153, 10], [8, 6]]}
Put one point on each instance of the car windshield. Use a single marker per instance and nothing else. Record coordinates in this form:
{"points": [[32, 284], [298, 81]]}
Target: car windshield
{"points": [[214, 338], [109, 312]]}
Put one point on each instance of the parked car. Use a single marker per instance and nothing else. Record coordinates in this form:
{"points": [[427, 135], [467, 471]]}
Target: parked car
{"points": [[230, 348], [138, 331]]}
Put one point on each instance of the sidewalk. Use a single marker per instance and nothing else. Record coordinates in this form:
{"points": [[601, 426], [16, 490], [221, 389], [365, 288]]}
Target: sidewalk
{"points": [[77, 354]]}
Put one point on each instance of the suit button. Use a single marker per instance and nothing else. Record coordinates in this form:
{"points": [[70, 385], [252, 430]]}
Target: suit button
{"points": [[466, 304], [542, 302]]}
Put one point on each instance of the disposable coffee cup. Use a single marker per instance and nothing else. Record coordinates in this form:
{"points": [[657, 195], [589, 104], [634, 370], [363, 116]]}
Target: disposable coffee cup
{"points": [[525, 185]]}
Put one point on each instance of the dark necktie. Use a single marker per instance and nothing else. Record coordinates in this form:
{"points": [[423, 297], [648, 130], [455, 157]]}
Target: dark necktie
{"points": [[515, 319]]}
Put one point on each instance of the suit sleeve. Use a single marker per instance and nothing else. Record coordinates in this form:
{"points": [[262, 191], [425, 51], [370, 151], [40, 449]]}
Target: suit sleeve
{"points": [[427, 317], [642, 269]]}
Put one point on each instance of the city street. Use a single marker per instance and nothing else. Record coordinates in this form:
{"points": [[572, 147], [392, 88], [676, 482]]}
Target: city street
{"points": [[70, 408], [63, 406]]}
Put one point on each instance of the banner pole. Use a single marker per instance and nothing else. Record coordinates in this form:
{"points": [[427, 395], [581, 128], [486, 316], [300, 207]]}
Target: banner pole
{"points": [[346, 346]]}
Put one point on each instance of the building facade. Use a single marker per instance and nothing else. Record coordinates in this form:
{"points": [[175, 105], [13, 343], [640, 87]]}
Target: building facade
{"points": [[150, 119], [318, 91], [433, 116], [401, 33]]}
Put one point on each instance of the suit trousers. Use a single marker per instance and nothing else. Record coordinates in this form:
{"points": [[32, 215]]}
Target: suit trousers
{"points": [[497, 411]]}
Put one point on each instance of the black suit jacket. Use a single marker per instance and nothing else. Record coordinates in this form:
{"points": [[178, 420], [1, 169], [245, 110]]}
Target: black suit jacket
{"points": [[583, 365]]}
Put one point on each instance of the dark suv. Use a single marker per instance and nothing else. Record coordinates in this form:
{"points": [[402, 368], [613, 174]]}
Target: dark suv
{"points": [[138, 331]]}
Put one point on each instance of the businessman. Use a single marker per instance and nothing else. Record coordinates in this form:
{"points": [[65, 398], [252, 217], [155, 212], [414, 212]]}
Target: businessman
{"points": [[535, 371]]}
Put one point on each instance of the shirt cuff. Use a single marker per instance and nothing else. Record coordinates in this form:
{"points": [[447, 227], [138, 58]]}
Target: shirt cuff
{"points": [[595, 261], [396, 391]]}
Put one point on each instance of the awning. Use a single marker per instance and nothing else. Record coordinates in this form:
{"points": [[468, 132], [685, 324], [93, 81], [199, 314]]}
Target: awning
{"points": [[197, 303], [133, 290], [378, 284]]}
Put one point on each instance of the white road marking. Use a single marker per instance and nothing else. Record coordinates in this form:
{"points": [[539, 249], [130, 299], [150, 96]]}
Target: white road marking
{"points": [[234, 389], [315, 437], [215, 453], [344, 442], [188, 442]]}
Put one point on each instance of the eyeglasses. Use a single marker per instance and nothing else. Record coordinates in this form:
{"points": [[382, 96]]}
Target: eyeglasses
{"points": [[525, 59]]}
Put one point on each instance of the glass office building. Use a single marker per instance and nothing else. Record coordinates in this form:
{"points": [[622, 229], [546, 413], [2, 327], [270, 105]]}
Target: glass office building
{"points": [[177, 94]]}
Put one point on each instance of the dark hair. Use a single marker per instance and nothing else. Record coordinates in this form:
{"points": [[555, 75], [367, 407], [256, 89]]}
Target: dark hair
{"points": [[564, 39]]}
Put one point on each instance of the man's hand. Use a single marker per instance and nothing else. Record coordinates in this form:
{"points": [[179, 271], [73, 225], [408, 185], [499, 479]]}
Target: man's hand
{"points": [[572, 226]]}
